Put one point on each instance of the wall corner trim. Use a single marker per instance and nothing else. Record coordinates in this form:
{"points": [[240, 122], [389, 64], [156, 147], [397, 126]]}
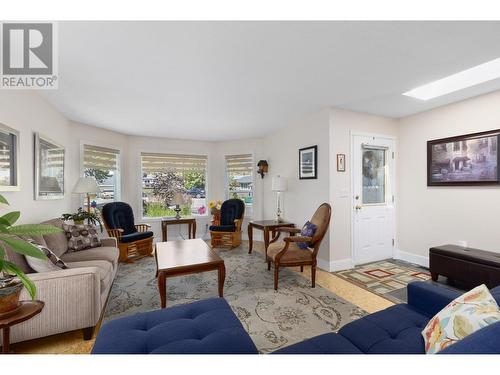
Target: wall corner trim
{"points": [[335, 265], [412, 258]]}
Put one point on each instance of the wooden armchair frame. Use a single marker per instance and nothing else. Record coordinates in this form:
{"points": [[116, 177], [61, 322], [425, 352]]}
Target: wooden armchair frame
{"points": [[130, 251], [228, 239], [315, 241]]}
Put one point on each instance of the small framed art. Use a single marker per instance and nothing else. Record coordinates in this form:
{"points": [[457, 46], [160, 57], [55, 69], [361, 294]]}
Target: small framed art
{"points": [[340, 162], [308, 163]]}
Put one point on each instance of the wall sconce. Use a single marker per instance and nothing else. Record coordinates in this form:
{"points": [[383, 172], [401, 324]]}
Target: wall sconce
{"points": [[262, 167]]}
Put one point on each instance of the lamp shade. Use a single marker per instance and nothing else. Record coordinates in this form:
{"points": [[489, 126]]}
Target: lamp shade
{"points": [[178, 199], [86, 185], [279, 184]]}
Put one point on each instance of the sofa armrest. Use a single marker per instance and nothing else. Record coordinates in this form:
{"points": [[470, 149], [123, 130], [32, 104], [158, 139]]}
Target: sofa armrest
{"points": [[109, 241], [429, 298], [484, 341], [72, 301]]}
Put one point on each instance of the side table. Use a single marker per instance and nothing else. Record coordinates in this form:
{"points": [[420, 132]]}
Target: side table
{"points": [[190, 221], [266, 226], [26, 311]]}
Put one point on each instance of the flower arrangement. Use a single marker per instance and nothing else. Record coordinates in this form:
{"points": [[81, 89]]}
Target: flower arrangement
{"points": [[214, 207]]}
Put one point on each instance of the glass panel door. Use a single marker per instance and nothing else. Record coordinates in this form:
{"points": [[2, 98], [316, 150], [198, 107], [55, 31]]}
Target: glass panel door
{"points": [[374, 178]]}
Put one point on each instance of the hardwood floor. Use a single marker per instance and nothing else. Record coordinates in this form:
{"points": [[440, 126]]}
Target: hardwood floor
{"points": [[73, 343]]}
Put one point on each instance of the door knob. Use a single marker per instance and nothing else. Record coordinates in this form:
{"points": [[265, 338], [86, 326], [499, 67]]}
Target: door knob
{"points": [[358, 207]]}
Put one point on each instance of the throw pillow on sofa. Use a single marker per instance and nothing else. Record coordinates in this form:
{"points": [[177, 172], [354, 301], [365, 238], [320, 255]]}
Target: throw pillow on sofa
{"points": [[81, 237], [53, 263], [461, 317], [308, 230]]}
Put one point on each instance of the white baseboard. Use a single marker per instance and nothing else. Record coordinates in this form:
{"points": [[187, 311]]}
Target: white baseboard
{"points": [[335, 265], [412, 258]]}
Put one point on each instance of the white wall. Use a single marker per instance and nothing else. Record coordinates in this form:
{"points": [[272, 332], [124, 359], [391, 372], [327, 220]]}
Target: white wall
{"points": [[430, 216], [342, 123], [303, 196], [27, 112]]}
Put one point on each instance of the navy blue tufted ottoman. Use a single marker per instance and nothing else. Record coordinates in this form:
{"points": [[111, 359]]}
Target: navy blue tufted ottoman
{"points": [[203, 327]]}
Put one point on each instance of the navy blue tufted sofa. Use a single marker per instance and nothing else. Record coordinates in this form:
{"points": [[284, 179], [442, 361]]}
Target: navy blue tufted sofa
{"points": [[210, 326]]}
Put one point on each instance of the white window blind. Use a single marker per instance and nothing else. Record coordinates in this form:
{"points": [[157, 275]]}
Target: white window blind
{"points": [[154, 163], [239, 179], [96, 157]]}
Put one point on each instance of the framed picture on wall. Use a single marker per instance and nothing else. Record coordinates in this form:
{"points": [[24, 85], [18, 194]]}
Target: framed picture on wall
{"points": [[470, 159], [49, 168], [308, 163], [9, 153]]}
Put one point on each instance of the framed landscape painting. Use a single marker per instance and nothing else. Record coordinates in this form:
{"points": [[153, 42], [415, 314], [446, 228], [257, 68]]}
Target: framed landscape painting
{"points": [[308, 163], [470, 159], [49, 168]]}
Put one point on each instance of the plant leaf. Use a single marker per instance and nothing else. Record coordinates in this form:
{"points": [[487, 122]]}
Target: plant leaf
{"points": [[4, 222], [2, 252], [15, 270], [3, 200], [33, 229], [11, 217], [23, 247]]}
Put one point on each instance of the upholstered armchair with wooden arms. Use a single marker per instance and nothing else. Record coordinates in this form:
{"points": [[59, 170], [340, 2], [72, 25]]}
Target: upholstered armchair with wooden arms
{"points": [[287, 253], [134, 240], [228, 233]]}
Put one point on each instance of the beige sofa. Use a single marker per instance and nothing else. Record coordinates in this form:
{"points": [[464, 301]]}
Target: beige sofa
{"points": [[75, 298]]}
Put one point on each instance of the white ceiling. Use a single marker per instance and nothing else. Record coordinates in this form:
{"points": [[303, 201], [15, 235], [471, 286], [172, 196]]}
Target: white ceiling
{"points": [[230, 80]]}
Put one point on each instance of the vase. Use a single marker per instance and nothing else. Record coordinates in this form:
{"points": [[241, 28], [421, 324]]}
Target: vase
{"points": [[78, 222], [216, 219], [9, 298]]}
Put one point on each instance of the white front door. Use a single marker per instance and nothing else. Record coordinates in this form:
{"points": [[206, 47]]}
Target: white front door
{"points": [[373, 198]]}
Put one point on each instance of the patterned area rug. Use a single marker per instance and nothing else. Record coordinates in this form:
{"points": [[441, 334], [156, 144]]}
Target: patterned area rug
{"points": [[387, 278], [273, 319]]}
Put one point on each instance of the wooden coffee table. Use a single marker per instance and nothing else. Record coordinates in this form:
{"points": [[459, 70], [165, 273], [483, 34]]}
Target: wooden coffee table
{"points": [[184, 257]]}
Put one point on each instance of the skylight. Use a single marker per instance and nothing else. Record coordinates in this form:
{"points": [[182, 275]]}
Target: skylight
{"points": [[458, 81]]}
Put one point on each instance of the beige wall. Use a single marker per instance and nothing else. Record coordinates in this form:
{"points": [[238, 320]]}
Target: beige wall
{"points": [[342, 124], [303, 196], [430, 216], [27, 112]]}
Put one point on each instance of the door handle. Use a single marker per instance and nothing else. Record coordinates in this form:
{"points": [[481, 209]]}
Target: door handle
{"points": [[358, 207]]}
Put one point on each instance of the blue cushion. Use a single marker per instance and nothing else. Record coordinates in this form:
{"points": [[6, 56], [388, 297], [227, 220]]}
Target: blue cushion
{"points": [[203, 327], [136, 236], [231, 210], [223, 228], [329, 343], [308, 230], [119, 215], [396, 329]]}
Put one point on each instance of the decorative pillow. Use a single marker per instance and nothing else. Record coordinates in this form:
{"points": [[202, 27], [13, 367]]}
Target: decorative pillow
{"points": [[464, 315], [53, 263], [81, 237], [308, 230]]}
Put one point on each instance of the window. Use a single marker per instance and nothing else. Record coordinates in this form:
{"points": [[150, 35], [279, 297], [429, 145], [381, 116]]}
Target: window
{"points": [[239, 179], [8, 158], [104, 165], [164, 176]]}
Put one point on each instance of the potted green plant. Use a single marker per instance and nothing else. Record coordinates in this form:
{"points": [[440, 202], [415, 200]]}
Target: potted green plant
{"points": [[80, 216], [12, 278]]}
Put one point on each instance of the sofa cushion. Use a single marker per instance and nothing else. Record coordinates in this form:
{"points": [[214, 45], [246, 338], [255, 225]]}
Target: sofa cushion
{"points": [[81, 236], [18, 259], [396, 329], [293, 254], [57, 242], [109, 254], [136, 236], [203, 327], [104, 267], [329, 343], [52, 263]]}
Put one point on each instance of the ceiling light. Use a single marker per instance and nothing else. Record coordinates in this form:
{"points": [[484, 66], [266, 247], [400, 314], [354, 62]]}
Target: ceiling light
{"points": [[458, 81]]}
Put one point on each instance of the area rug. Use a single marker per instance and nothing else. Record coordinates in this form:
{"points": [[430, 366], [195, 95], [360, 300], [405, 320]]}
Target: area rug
{"points": [[274, 319], [387, 278]]}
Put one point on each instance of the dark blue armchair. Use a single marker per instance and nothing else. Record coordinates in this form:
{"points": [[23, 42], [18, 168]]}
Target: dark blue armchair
{"points": [[228, 232], [134, 240]]}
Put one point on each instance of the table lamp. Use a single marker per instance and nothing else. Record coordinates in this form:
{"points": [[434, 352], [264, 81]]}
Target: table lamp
{"points": [[86, 185], [279, 185], [178, 200]]}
